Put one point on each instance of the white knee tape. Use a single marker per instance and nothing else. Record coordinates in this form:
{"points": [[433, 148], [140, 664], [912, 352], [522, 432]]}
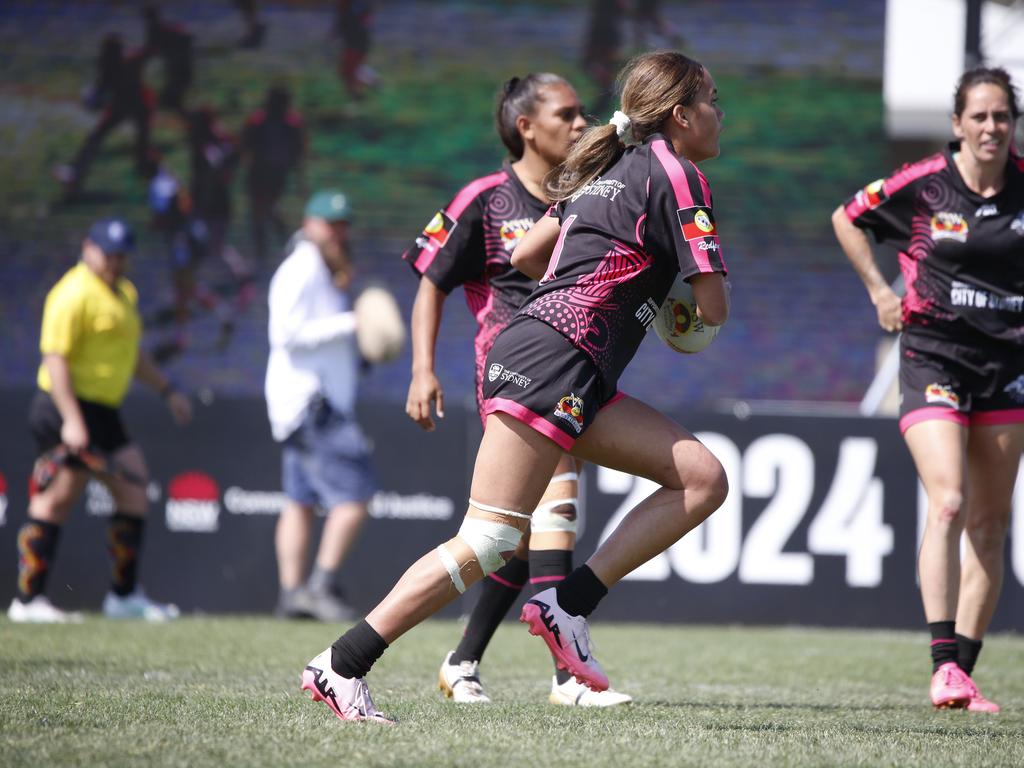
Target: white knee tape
{"points": [[565, 477], [488, 539], [452, 567], [546, 520]]}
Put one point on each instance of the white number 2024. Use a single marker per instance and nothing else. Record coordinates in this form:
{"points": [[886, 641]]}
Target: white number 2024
{"points": [[779, 468]]}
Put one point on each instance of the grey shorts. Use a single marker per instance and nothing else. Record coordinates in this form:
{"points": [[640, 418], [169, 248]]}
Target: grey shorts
{"points": [[326, 461]]}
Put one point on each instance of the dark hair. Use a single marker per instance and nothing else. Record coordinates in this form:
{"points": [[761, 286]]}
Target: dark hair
{"points": [[651, 86], [996, 76], [519, 96]]}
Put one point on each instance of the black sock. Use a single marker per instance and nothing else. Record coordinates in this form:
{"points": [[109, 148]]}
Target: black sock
{"points": [[497, 594], [580, 592], [124, 540], [355, 652], [37, 545], [943, 642], [549, 567], [967, 651]]}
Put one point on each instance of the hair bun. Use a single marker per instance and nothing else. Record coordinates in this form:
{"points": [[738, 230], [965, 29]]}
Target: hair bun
{"points": [[511, 85]]}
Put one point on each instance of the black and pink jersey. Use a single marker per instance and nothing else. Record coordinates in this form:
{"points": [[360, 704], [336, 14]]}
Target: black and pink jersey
{"points": [[624, 237], [961, 254], [469, 242]]}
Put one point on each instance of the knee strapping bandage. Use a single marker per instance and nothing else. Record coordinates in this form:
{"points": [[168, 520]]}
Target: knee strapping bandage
{"points": [[487, 538], [557, 515], [565, 477]]}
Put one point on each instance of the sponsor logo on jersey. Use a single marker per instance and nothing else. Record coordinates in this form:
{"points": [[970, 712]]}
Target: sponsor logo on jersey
{"points": [[512, 232], [986, 210], [647, 312], [3, 499], [963, 294], [1015, 389], [440, 228], [697, 222], [873, 195], [1017, 225], [940, 393], [607, 188], [193, 503], [497, 370], [570, 410], [949, 226]]}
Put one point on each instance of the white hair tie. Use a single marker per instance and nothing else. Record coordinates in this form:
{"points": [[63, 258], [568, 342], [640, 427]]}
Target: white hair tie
{"points": [[621, 122]]}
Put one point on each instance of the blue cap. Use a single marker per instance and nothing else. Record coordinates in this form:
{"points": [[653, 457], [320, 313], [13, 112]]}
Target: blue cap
{"points": [[329, 204], [112, 236]]}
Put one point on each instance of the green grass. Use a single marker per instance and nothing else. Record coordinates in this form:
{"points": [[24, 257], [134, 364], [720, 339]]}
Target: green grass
{"points": [[218, 692]]}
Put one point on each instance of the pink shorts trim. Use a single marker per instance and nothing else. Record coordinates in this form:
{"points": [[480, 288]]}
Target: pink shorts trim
{"points": [[932, 414], [613, 400], [1006, 416], [530, 419], [943, 640]]}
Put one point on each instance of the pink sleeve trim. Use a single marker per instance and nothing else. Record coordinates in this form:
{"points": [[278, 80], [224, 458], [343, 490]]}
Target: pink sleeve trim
{"points": [[545, 579], [1005, 416], [613, 400], [681, 189], [932, 414], [530, 419], [462, 200]]}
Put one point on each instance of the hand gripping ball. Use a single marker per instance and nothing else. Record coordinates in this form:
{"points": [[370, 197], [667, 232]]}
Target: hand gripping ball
{"points": [[677, 322]]}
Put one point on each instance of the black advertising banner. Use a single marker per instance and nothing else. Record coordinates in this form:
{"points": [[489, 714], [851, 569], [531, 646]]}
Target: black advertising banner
{"points": [[820, 527]]}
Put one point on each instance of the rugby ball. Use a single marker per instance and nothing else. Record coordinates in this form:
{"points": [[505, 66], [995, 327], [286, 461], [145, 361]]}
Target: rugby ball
{"points": [[380, 330], [677, 322]]}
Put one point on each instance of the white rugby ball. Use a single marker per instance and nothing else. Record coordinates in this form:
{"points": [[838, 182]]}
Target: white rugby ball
{"points": [[380, 330], [677, 322]]}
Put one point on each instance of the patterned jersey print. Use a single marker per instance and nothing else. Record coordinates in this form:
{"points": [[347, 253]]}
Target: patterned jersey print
{"points": [[623, 239], [961, 254]]}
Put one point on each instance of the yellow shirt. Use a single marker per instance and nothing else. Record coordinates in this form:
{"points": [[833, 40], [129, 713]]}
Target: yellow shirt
{"points": [[97, 330]]}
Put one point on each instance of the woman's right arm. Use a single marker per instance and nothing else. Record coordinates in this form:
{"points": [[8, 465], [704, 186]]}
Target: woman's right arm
{"points": [[857, 248], [425, 388]]}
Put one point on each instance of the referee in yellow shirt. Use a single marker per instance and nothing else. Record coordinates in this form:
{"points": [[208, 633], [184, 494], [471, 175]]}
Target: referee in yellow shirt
{"points": [[90, 348]]}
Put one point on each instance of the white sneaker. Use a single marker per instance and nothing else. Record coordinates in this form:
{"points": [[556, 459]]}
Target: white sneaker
{"points": [[567, 637], [573, 693], [347, 697], [39, 610], [461, 682], [136, 605]]}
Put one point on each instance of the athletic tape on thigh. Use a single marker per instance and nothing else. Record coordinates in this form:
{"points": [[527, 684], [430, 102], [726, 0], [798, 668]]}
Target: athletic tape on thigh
{"points": [[565, 477], [497, 510], [545, 520]]}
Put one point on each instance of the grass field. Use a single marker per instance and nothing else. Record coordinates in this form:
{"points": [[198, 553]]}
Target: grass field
{"points": [[224, 691]]}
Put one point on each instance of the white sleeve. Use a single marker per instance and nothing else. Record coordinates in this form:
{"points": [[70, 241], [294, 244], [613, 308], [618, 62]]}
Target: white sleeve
{"points": [[290, 325]]}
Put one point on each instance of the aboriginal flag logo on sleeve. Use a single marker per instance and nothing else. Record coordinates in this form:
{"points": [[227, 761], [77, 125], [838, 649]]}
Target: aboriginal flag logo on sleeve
{"points": [[440, 228], [697, 222], [873, 195]]}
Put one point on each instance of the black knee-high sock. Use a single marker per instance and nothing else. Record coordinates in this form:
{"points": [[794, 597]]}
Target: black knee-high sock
{"points": [[967, 652], [580, 592], [943, 642], [355, 652], [497, 594], [548, 567], [37, 545], [124, 540]]}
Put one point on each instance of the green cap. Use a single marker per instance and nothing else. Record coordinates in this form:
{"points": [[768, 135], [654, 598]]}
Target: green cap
{"points": [[329, 204]]}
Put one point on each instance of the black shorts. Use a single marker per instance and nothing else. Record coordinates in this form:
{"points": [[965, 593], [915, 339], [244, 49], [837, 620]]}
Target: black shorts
{"points": [[535, 375], [973, 383], [106, 431]]}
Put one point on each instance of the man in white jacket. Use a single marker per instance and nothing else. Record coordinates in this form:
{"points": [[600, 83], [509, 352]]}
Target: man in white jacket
{"points": [[311, 391]]}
